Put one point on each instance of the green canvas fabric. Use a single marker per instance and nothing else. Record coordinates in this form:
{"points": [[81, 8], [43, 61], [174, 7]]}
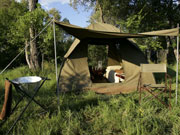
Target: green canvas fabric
{"points": [[103, 27], [167, 32], [84, 33], [114, 57], [102, 31], [72, 47], [75, 72]]}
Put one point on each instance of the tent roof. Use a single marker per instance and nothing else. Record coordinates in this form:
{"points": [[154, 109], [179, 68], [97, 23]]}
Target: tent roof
{"points": [[106, 31], [167, 32], [83, 33]]}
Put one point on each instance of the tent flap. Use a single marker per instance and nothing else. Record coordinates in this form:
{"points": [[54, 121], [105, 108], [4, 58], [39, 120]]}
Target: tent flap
{"points": [[90, 32], [168, 32], [82, 33]]}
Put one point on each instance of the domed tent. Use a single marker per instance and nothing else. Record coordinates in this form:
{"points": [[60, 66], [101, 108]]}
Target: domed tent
{"points": [[75, 74]]}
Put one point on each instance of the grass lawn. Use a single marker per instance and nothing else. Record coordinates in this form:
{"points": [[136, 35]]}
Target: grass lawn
{"points": [[88, 113]]}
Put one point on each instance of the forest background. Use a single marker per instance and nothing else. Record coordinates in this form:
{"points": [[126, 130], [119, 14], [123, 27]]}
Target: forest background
{"points": [[21, 21]]}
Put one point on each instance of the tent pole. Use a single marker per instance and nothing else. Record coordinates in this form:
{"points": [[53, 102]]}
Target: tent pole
{"points": [[177, 59], [55, 55], [60, 70], [62, 64]]}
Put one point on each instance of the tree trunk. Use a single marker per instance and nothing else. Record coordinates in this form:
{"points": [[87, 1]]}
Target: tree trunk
{"points": [[32, 4], [101, 12], [33, 60], [26, 54]]}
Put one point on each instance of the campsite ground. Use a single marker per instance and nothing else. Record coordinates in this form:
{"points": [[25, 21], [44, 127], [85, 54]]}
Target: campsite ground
{"points": [[88, 113]]}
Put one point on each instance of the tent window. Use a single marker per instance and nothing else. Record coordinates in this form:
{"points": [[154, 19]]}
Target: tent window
{"points": [[98, 65]]}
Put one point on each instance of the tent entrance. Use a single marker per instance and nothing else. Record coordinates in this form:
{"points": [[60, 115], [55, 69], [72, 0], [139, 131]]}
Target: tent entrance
{"points": [[97, 62], [102, 66]]}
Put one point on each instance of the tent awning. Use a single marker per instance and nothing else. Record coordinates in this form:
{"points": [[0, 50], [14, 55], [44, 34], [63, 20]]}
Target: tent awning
{"points": [[82, 33], [167, 32]]}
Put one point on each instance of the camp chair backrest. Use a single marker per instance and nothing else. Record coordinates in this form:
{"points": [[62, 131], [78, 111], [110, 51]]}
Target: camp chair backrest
{"points": [[154, 68], [155, 90]]}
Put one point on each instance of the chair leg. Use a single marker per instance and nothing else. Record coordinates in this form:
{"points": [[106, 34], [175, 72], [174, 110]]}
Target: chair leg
{"points": [[25, 94], [25, 107], [140, 96], [18, 117], [170, 97], [157, 98], [139, 88]]}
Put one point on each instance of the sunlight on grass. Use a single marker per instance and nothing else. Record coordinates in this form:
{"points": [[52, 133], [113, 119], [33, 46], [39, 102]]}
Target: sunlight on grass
{"points": [[87, 113]]}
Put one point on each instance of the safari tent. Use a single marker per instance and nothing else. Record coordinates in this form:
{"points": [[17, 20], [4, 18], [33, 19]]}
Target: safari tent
{"points": [[122, 53]]}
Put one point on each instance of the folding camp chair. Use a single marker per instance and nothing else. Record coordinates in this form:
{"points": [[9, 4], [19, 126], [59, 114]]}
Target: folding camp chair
{"points": [[27, 87], [155, 89]]}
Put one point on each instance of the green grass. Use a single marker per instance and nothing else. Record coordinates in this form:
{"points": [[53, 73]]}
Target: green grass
{"points": [[87, 113]]}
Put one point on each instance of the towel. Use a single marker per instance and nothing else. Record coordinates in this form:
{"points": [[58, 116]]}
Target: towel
{"points": [[6, 110]]}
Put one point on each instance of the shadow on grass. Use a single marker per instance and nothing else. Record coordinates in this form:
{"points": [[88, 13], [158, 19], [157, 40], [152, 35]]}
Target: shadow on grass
{"points": [[75, 101]]}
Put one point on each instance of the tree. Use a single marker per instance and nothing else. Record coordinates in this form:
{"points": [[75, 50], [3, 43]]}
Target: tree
{"points": [[32, 58], [137, 16], [35, 19], [10, 11], [15, 23], [63, 40]]}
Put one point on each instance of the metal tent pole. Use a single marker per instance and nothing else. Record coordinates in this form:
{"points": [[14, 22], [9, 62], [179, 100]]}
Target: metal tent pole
{"points": [[177, 59], [55, 55]]}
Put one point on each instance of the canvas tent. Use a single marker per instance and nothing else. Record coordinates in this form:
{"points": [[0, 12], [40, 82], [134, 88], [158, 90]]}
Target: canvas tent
{"points": [[75, 73]]}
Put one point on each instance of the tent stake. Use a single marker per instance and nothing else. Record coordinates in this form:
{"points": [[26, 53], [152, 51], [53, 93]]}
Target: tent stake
{"points": [[177, 59], [55, 55]]}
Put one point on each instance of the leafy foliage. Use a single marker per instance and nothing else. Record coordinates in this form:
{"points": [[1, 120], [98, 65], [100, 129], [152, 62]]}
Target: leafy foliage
{"points": [[97, 53], [9, 12], [14, 26], [35, 18], [136, 16]]}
